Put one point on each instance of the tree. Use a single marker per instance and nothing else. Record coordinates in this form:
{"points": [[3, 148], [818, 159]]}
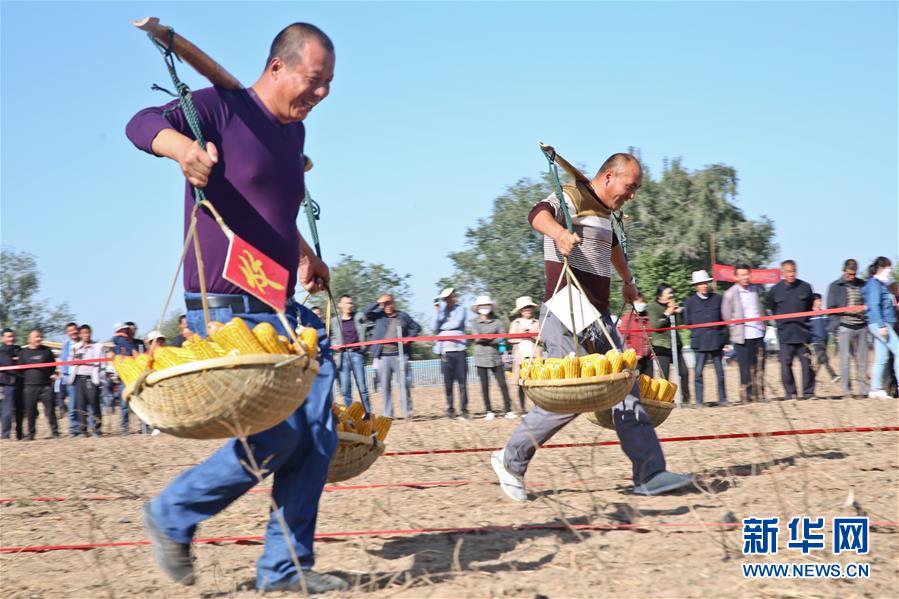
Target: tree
{"points": [[169, 327], [20, 309], [367, 281]]}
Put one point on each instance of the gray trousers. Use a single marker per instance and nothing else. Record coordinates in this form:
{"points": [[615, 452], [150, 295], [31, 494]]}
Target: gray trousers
{"points": [[853, 342], [387, 365], [633, 426]]}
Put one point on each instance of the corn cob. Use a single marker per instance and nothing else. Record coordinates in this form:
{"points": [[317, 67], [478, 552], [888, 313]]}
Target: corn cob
{"points": [[126, 368], [617, 364], [202, 349], [213, 327], [664, 385], [142, 362], [364, 427], [603, 366], [669, 395], [355, 413], [166, 357], [612, 353], [308, 338], [571, 367], [654, 389], [236, 335], [545, 373], [645, 386], [268, 338], [557, 371], [630, 358], [382, 426], [588, 369], [523, 373]]}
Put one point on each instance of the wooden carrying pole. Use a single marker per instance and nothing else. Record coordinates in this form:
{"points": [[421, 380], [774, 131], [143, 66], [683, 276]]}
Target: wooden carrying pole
{"points": [[189, 53]]}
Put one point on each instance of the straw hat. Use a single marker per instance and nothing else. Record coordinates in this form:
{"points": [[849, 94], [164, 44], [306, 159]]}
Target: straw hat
{"points": [[523, 302], [482, 300], [700, 276]]}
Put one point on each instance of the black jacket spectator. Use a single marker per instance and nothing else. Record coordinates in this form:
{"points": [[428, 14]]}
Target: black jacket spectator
{"points": [[785, 299], [698, 311], [41, 355]]}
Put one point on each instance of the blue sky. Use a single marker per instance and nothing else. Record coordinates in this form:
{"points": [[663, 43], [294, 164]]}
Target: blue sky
{"points": [[435, 108]]}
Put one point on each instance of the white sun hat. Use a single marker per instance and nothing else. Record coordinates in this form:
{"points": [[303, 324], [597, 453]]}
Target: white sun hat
{"points": [[700, 276], [482, 300]]}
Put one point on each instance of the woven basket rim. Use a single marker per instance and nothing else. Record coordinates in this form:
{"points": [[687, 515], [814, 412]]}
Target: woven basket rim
{"points": [[358, 439], [657, 402], [157, 376], [579, 381]]}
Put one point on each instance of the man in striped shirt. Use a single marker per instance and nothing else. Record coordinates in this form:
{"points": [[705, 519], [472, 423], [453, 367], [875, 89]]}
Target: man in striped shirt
{"points": [[592, 249]]}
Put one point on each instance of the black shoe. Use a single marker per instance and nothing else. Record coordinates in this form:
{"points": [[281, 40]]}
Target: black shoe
{"points": [[173, 558], [316, 582]]}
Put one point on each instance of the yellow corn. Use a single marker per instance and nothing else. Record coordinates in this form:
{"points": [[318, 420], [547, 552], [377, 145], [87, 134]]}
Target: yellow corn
{"points": [[545, 372], [588, 369], [355, 413], [664, 387], [617, 363], [571, 367], [268, 338], [523, 372], [214, 327], [364, 427], [672, 389], [645, 385], [236, 335], [166, 357], [603, 366], [142, 362], [126, 368], [612, 353], [382, 426], [630, 358], [654, 389], [201, 349], [557, 371], [309, 339]]}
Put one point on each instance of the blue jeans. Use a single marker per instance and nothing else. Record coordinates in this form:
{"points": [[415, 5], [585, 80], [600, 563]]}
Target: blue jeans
{"points": [[352, 365], [882, 350], [297, 452]]}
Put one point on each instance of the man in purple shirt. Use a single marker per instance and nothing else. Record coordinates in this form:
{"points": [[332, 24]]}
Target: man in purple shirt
{"points": [[252, 172]]}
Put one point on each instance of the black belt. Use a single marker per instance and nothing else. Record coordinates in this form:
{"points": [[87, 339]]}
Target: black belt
{"points": [[237, 304]]}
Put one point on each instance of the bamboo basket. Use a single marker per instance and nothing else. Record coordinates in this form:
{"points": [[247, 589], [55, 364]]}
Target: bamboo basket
{"points": [[658, 412], [354, 455], [577, 396], [223, 397]]}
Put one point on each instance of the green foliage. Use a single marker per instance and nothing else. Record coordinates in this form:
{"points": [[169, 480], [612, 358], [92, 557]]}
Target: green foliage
{"points": [[20, 309], [367, 281]]}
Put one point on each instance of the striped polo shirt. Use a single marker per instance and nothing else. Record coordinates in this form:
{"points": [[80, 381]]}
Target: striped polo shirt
{"points": [[591, 261]]}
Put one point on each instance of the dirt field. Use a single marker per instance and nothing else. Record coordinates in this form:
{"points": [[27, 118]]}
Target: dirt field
{"points": [[815, 475]]}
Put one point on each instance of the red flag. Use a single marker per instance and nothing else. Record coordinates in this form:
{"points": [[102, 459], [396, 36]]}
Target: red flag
{"points": [[757, 276], [256, 273]]}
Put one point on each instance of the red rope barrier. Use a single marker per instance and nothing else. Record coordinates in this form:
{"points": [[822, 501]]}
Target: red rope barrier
{"points": [[252, 540], [492, 336], [809, 431]]}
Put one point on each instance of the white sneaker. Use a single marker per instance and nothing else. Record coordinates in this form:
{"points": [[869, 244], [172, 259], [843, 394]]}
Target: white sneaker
{"points": [[489, 416], [511, 416], [879, 394], [155, 432], [512, 485]]}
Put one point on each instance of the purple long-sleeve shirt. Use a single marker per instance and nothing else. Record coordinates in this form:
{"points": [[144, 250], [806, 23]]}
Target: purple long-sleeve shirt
{"points": [[257, 185]]}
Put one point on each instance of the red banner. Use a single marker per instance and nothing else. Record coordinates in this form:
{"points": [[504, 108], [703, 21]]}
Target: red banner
{"points": [[256, 273], [757, 276]]}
